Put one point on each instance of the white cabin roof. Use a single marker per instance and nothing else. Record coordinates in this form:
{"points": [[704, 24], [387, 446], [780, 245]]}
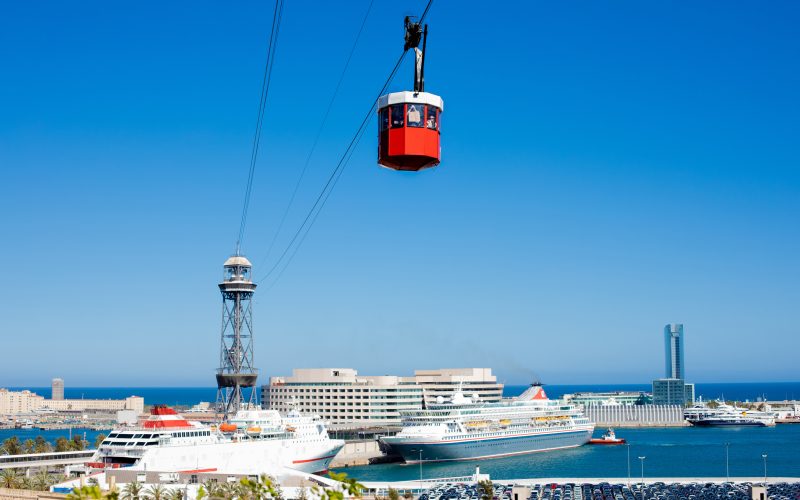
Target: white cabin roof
{"points": [[412, 97]]}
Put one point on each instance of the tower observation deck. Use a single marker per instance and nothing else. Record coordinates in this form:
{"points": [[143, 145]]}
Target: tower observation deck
{"points": [[236, 371]]}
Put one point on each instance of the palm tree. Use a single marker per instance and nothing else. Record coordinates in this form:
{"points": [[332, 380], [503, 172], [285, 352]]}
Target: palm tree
{"points": [[29, 445], [155, 492], [175, 494], [42, 480], [214, 489], [9, 478], [99, 439], [12, 446], [132, 491], [41, 445]]}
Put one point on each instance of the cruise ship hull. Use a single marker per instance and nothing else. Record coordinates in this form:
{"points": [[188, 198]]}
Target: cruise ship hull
{"points": [[254, 457], [472, 449], [727, 423]]}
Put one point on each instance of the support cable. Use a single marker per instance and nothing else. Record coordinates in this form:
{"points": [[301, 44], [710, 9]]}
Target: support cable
{"points": [[322, 198], [262, 104], [319, 132]]}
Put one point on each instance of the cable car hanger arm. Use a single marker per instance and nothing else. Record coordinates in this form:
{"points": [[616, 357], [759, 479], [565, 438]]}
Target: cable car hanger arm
{"points": [[416, 33]]}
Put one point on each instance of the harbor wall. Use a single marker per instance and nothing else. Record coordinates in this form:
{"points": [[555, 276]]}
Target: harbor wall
{"points": [[358, 452], [13, 494], [636, 416]]}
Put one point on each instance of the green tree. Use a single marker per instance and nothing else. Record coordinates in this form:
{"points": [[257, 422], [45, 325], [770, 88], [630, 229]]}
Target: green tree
{"points": [[213, 489], [486, 489], [9, 478], [86, 493], [42, 480], [62, 444], [712, 404], [156, 492], [12, 446], [302, 494], [77, 443], [40, 445], [175, 494], [393, 494], [99, 439], [132, 491], [28, 445]]}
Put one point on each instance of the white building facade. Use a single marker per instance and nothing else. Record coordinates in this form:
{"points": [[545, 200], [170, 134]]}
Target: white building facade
{"points": [[348, 400]]}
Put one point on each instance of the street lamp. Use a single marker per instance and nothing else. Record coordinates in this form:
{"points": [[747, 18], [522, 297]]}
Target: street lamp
{"points": [[629, 464], [727, 470], [420, 470], [642, 489], [764, 456]]}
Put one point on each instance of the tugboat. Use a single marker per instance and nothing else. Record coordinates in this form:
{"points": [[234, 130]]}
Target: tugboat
{"points": [[608, 438]]}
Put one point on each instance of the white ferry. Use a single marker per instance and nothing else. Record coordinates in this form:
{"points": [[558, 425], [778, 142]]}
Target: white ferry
{"points": [[253, 442], [465, 428], [726, 415]]}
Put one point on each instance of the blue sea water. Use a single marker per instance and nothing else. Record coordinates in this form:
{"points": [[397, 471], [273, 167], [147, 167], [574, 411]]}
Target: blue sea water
{"points": [[187, 396], [50, 435], [668, 452]]}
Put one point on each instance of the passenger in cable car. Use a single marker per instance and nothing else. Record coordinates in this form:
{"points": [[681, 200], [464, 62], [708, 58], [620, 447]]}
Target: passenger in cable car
{"points": [[431, 121], [414, 116]]}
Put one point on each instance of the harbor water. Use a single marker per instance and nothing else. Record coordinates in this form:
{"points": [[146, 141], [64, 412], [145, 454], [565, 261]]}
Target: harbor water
{"points": [[668, 452]]}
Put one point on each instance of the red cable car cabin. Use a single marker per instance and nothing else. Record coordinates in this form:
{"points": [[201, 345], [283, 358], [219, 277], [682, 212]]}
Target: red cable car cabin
{"points": [[409, 126]]}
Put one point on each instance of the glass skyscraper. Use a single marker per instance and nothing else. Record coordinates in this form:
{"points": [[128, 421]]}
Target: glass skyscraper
{"points": [[673, 351]]}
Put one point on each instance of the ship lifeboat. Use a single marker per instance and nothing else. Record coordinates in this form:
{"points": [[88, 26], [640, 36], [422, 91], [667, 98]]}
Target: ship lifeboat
{"points": [[505, 422], [289, 428], [227, 427], [254, 430]]}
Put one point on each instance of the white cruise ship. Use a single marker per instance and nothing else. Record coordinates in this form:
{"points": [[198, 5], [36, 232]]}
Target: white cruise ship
{"points": [[465, 428], [253, 442], [726, 415]]}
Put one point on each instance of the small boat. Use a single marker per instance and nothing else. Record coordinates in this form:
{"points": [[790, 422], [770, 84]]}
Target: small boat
{"points": [[608, 438], [254, 430]]}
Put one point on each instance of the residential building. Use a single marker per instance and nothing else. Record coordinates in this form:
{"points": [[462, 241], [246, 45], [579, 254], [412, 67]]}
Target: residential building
{"points": [[13, 402]]}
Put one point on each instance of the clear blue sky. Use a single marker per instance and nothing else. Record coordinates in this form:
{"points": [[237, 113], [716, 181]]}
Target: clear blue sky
{"points": [[607, 168]]}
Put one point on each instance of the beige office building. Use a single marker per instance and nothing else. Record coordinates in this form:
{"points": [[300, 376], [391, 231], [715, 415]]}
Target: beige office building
{"points": [[21, 402], [57, 389], [351, 401], [443, 382]]}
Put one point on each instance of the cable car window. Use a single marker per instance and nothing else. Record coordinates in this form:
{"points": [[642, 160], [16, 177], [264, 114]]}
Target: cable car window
{"points": [[384, 118], [430, 120], [415, 113], [397, 116]]}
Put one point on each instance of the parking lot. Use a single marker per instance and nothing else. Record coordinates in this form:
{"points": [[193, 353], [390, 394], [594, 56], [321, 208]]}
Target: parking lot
{"points": [[607, 491]]}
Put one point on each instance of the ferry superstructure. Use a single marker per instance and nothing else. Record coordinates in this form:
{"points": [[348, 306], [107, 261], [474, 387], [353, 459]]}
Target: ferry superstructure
{"points": [[726, 415], [466, 429], [252, 442]]}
